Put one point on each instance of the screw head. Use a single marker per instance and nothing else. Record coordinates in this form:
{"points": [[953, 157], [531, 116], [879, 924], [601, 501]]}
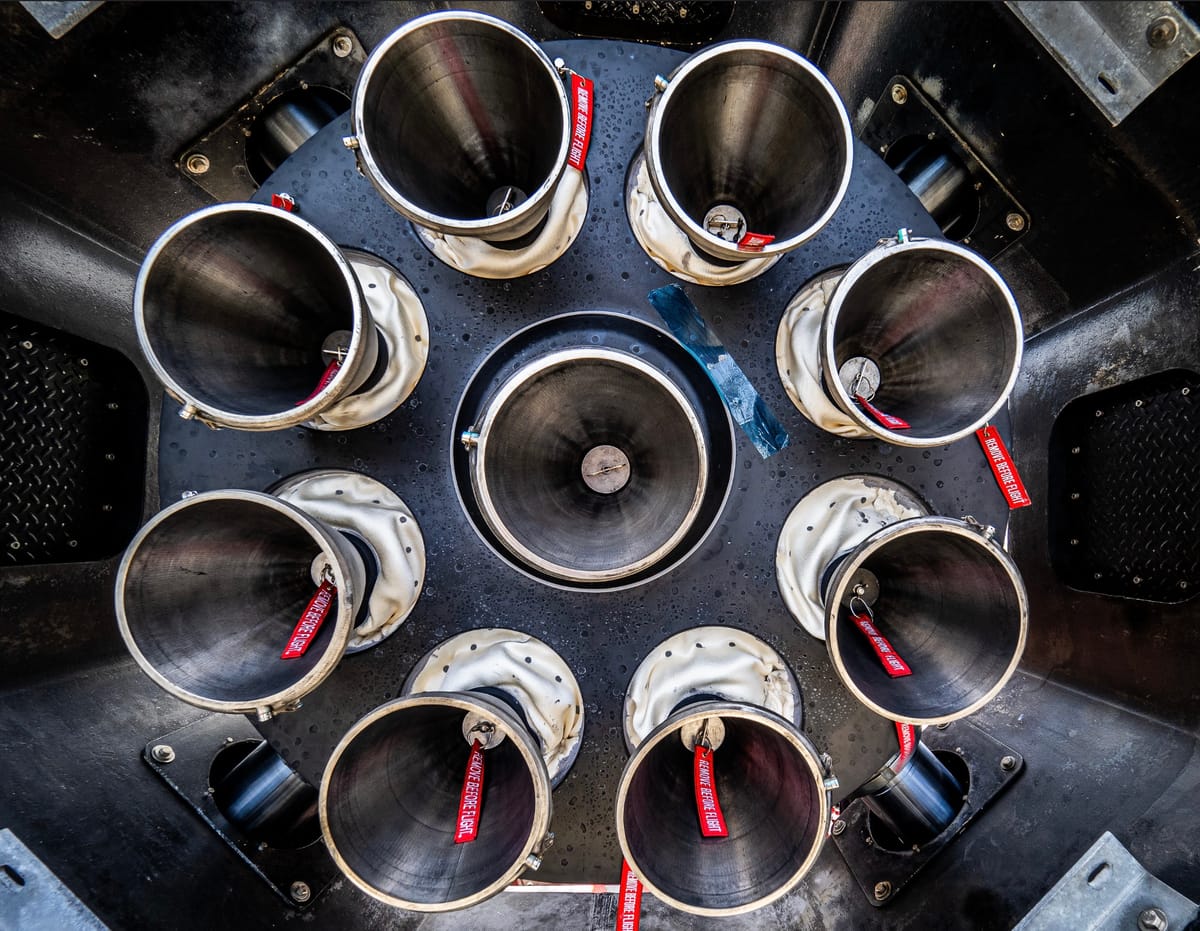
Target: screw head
{"points": [[899, 94], [342, 46], [1162, 32], [162, 753], [300, 892], [1152, 919], [1008, 763], [197, 164], [1015, 222], [882, 890], [839, 828]]}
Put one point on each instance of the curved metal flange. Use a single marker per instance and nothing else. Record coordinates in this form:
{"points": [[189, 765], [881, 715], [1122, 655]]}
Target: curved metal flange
{"points": [[522, 667], [798, 357], [400, 321], [721, 662], [361, 506], [669, 246], [829, 521], [481, 259]]}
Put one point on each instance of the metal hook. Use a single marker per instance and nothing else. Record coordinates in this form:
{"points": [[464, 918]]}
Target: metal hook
{"points": [[702, 736], [866, 608]]}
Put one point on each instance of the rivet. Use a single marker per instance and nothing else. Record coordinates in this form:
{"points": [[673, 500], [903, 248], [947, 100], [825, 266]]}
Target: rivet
{"points": [[1015, 222], [899, 94], [342, 46], [162, 753]]}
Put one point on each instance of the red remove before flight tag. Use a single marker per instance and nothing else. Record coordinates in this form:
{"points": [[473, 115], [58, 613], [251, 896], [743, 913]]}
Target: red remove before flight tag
{"points": [[754, 242], [310, 621], [582, 95], [885, 420], [893, 665], [712, 821], [284, 202], [323, 383], [906, 734], [630, 907], [467, 826], [1003, 468]]}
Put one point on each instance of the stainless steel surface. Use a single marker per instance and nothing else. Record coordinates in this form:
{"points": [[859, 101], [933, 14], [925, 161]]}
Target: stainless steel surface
{"points": [[943, 328], [534, 437], [210, 590], [32, 898], [390, 795], [754, 126], [232, 306], [770, 784], [953, 606], [1118, 53], [451, 108], [917, 803], [1107, 890]]}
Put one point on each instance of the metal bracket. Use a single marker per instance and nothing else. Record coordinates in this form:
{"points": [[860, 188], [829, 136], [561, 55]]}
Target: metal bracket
{"points": [[1118, 53], [33, 898], [904, 114], [217, 160], [1108, 890], [296, 876], [882, 873]]}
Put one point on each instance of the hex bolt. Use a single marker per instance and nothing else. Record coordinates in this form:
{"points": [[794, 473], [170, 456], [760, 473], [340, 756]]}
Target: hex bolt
{"points": [[883, 889], [342, 46], [197, 164], [1162, 32], [1008, 763], [300, 892], [1152, 919], [1015, 222], [899, 94], [162, 753], [839, 828]]}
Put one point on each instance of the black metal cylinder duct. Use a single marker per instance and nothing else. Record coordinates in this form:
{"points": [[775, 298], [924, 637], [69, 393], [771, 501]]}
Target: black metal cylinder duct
{"points": [[590, 465], [771, 789], [237, 309], [267, 800], [917, 803], [941, 326], [953, 607], [754, 127], [462, 124], [390, 797], [210, 591]]}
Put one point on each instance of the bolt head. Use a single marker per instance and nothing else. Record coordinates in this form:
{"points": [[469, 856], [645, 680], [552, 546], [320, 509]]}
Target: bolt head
{"points": [[162, 753], [882, 890], [197, 164], [1008, 763], [1162, 32], [1015, 222], [839, 828], [342, 46], [899, 94], [1152, 919], [300, 892]]}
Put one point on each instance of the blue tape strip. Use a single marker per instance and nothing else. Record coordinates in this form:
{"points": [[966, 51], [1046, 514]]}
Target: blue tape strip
{"points": [[748, 409]]}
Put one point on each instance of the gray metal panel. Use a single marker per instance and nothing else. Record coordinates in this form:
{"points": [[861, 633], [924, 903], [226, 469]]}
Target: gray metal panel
{"points": [[1107, 890], [32, 898], [1118, 53]]}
